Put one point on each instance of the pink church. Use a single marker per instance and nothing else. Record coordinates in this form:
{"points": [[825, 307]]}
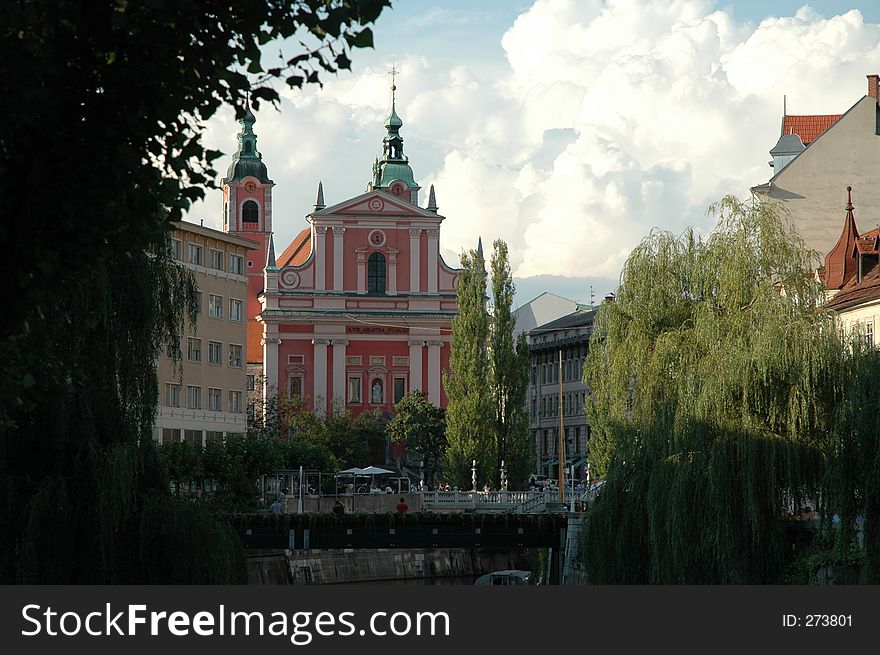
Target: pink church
{"points": [[356, 311]]}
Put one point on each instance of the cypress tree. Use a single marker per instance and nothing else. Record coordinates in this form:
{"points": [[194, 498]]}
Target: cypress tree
{"points": [[509, 375], [469, 412]]}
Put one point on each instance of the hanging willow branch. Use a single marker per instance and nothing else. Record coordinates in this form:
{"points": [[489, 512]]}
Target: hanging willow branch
{"points": [[717, 396]]}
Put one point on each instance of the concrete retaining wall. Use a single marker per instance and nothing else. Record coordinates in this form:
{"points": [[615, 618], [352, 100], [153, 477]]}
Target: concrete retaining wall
{"points": [[364, 565]]}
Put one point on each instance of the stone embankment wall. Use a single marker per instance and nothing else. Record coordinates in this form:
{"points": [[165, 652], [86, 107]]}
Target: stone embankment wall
{"points": [[283, 567]]}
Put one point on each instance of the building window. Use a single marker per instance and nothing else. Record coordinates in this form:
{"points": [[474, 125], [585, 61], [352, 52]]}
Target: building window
{"points": [[195, 254], [399, 389], [534, 407], [235, 310], [251, 412], [236, 264], [215, 306], [354, 391], [194, 397], [215, 352], [235, 356], [216, 259], [377, 392], [172, 395], [193, 436], [869, 334], [172, 350], [176, 249], [250, 212], [376, 273], [213, 436], [577, 440], [170, 435], [545, 442], [295, 387], [198, 302], [235, 402], [250, 383], [194, 349], [215, 400]]}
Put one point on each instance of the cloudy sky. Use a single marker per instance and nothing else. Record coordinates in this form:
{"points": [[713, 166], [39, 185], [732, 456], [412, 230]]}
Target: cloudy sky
{"points": [[568, 128]]}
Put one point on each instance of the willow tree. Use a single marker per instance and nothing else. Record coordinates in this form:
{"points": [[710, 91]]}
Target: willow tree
{"points": [[103, 105], [716, 393], [469, 411]]}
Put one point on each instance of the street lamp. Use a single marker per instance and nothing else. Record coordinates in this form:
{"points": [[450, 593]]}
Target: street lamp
{"points": [[474, 475]]}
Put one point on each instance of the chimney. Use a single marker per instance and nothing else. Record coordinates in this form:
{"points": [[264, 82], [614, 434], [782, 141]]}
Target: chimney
{"points": [[873, 81]]}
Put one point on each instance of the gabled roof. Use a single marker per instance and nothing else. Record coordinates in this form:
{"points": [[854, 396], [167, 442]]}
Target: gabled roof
{"points": [[391, 205], [808, 128], [299, 250], [580, 318]]}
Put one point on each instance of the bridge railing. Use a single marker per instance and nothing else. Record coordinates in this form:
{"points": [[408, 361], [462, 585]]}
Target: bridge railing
{"points": [[516, 501]]}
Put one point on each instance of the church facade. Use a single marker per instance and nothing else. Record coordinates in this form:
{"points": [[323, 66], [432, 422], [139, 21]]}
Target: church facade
{"points": [[356, 311]]}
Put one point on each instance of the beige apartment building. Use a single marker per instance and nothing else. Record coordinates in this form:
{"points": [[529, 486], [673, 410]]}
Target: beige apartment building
{"points": [[204, 399]]}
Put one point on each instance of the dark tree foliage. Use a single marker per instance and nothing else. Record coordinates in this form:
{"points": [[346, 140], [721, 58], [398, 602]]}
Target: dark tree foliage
{"points": [[421, 425], [103, 103]]}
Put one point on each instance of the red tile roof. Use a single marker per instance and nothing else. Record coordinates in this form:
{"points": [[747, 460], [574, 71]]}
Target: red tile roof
{"points": [[856, 293], [808, 128], [254, 341], [298, 251]]}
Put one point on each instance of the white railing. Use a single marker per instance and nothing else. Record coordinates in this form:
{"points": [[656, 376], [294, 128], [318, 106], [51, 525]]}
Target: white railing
{"points": [[516, 501]]}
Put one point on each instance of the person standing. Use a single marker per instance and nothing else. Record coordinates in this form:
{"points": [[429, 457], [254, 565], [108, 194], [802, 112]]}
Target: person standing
{"points": [[402, 507]]}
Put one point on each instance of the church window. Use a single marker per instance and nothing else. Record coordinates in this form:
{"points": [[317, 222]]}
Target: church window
{"points": [[250, 212], [376, 273], [399, 389], [295, 387]]}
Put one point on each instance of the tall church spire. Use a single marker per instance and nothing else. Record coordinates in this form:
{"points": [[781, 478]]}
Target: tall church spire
{"points": [[392, 171], [247, 161]]}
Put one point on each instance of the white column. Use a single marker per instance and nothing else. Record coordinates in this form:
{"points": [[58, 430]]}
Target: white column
{"points": [[233, 211], [433, 252], [319, 393], [267, 209], [339, 372], [392, 272], [362, 270], [270, 361], [434, 371], [320, 255], [338, 258], [415, 364], [415, 265]]}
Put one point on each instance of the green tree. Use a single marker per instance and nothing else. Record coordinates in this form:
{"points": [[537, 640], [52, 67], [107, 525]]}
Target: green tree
{"points": [[469, 425], [509, 369], [716, 394], [102, 108], [421, 425]]}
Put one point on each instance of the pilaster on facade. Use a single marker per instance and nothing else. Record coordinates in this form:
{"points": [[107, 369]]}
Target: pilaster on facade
{"points": [[433, 256], [434, 371], [415, 264], [320, 257], [338, 256], [415, 364], [233, 209], [361, 269], [339, 346], [392, 271], [271, 342], [320, 387]]}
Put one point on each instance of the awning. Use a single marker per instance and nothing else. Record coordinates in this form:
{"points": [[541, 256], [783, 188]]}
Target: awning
{"points": [[580, 462], [551, 462]]}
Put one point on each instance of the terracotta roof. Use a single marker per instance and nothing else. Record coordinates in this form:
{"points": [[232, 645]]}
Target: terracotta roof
{"points": [[808, 128], [254, 341], [298, 251], [856, 293]]}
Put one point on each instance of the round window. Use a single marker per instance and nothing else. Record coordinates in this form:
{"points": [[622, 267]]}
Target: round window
{"points": [[377, 238]]}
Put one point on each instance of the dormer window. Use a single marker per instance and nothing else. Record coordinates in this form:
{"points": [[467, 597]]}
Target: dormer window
{"points": [[250, 212]]}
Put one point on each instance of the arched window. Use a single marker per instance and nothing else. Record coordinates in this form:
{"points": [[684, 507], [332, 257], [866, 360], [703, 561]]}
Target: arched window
{"points": [[250, 212], [376, 273], [377, 395]]}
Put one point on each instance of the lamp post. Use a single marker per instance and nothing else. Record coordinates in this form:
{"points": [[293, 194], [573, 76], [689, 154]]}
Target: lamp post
{"points": [[503, 476], [474, 475]]}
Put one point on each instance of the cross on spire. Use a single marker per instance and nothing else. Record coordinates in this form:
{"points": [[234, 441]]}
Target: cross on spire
{"points": [[393, 72]]}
